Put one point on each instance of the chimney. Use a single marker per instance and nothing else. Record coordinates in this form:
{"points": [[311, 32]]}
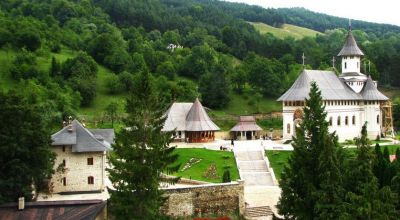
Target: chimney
{"points": [[21, 203]]}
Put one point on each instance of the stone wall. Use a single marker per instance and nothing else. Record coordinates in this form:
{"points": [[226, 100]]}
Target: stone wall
{"points": [[77, 170], [224, 198]]}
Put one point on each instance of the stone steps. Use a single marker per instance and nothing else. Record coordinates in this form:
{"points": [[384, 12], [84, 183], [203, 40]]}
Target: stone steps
{"points": [[260, 211], [257, 178], [249, 155], [257, 165]]}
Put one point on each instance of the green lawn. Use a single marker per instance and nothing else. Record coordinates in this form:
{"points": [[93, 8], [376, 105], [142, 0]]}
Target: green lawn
{"points": [[287, 30], [278, 160], [221, 159]]}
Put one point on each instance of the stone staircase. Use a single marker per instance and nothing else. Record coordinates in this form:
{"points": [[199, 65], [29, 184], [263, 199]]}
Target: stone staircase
{"points": [[253, 168], [260, 212]]}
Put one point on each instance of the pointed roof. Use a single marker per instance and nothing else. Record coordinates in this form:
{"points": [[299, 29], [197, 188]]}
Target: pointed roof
{"points": [[370, 92], [81, 139], [350, 47], [246, 123], [198, 120], [331, 87]]}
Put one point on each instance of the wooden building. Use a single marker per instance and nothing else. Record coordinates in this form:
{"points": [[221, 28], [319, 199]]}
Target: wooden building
{"points": [[190, 122], [246, 129]]}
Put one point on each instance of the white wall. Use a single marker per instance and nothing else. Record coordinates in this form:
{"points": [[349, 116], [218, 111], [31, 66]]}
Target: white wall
{"points": [[78, 171], [351, 64], [361, 112]]}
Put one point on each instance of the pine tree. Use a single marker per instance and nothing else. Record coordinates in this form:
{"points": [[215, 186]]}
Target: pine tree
{"points": [[25, 156], [364, 199], [141, 154], [311, 182]]}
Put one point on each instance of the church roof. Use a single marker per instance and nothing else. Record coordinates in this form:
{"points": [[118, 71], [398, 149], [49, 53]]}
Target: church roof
{"points": [[350, 47], [331, 87], [246, 123], [188, 117], [352, 74], [82, 139], [370, 92], [198, 120]]}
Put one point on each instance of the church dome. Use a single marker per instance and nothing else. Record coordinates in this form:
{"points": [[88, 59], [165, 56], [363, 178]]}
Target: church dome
{"points": [[350, 47]]}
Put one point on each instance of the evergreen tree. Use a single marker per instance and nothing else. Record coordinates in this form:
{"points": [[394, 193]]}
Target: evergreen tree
{"points": [[55, 68], [140, 154], [226, 178], [25, 156], [364, 199], [311, 182]]}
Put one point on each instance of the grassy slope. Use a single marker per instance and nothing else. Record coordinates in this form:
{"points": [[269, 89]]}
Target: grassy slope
{"points": [[208, 157], [287, 30], [239, 105]]}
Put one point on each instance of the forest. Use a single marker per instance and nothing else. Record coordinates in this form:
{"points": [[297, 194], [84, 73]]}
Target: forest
{"points": [[55, 51]]}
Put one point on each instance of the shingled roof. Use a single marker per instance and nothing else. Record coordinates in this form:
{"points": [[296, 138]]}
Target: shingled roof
{"points": [[350, 47], [331, 87], [83, 140], [370, 92], [188, 117], [73, 209], [246, 123]]}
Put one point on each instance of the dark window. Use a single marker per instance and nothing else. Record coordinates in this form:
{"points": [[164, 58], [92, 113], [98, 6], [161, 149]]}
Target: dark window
{"points": [[64, 181], [330, 121], [346, 120], [377, 119], [63, 148], [288, 128], [345, 65], [90, 180], [338, 121], [90, 161], [354, 120]]}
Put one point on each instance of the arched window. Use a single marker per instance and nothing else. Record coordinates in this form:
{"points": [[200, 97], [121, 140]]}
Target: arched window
{"points": [[346, 120], [354, 120], [377, 119], [330, 121], [90, 180], [288, 128], [338, 121]]}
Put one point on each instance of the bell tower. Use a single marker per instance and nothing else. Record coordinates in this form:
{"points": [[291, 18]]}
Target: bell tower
{"points": [[351, 56]]}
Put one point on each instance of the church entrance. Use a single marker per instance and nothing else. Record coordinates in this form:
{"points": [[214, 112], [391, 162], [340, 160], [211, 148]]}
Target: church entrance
{"points": [[248, 135]]}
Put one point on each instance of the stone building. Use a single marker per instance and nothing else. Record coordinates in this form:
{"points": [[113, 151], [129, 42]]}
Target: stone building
{"points": [[246, 129], [81, 158], [190, 122], [350, 99]]}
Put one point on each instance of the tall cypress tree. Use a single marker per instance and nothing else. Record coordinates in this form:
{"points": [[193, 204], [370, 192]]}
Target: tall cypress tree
{"points": [[140, 154], [311, 182]]}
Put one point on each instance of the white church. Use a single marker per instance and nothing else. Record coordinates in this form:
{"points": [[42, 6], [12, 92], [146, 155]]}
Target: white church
{"points": [[350, 99]]}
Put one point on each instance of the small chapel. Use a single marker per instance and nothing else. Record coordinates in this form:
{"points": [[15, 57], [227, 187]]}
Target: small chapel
{"points": [[190, 122], [351, 99]]}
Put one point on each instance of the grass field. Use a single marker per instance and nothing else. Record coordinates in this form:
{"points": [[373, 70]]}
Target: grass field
{"points": [[287, 30], [222, 160], [278, 159], [242, 105]]}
